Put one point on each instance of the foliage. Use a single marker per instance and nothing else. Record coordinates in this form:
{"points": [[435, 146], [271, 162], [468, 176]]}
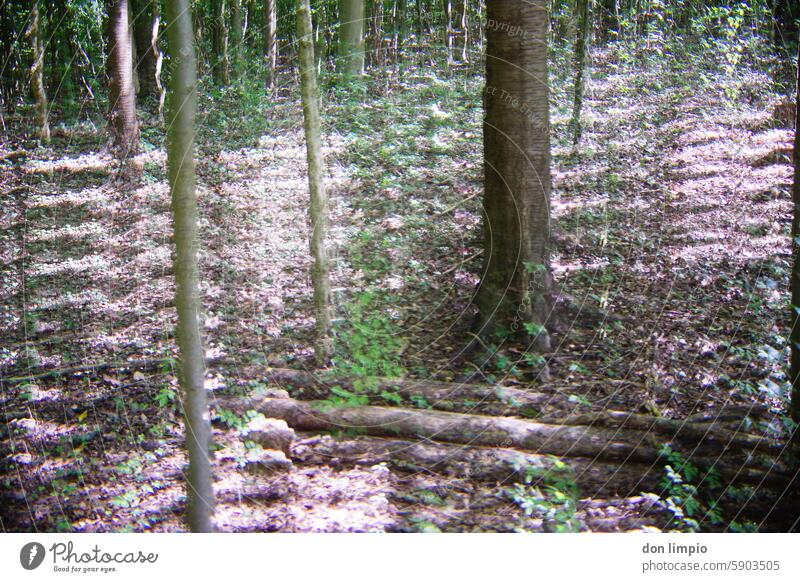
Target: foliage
{"points": [[549, 494]]}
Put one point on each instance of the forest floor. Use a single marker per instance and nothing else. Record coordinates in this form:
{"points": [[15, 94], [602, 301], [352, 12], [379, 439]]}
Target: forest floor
{"points": [[672, 240]]}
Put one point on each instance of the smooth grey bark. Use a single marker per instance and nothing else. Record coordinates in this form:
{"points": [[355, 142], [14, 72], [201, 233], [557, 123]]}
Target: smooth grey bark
{"points": [[515, 291], [34, 34], [320, 277], [351, 14], [124, 125], [582, 39], [271, 41], [183, 104]]}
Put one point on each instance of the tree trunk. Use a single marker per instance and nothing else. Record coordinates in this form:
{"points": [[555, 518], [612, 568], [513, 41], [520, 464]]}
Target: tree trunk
{"points": [[271, 41], [447, 12], [515, 292], [377, 34], [794, 335], [34, 34], [183, 84], [219, 42], [236, 36], [351, 55], [144, 12], [582, 40], [316, 185], [123, 124]]}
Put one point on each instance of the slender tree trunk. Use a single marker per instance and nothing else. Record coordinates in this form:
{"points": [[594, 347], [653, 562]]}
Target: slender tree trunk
{"points": [[122, 93], [377, 33], [794, 371], [183, 85], [34, 33], [351, 14], [316, 184], [514, 295], [159, 59], [582, 39], [465, 31], [447, 9], [271, 41]]}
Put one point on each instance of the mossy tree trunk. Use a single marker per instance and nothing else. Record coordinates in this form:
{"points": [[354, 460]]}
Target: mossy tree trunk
{"points": [[316, 183], [38, 92], [514, 295], [183, 103], [123, 124], [351, 54]]}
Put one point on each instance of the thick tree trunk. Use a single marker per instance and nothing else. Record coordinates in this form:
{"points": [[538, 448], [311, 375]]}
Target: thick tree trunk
{"points": [[183, 104], [144, 13], [515, 291], [123, 124], [581, 66], [734, 463], [34, 33], [794, 335], [219, 43], [236, 36], [351, 54], [271, 41], [316, 184]]}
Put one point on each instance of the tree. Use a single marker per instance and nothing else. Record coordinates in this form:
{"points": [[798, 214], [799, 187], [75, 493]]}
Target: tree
{"points": [[145, 16], [180, 159], [514, 294], [794, 336], [219, 43], [581, 54], [271, 40], [316, 185], [351, 53], [236, 35], [34, 34], [123, 124]]}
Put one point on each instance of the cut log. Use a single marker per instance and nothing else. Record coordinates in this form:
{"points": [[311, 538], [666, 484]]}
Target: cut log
{"points": [[626, 445], [499, 465], [270, 433]]}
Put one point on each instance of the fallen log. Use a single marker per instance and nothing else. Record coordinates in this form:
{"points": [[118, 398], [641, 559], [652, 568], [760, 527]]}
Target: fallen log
{"points": [[440, 395], [680, 430], [626, 445], [500, 465]]}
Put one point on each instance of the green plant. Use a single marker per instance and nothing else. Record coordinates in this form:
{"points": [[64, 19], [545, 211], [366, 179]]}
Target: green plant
{"points": [[550, 494]]}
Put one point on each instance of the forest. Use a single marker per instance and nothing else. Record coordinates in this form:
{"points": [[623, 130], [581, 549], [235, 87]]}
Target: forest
{"points": [[399, 266]]}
